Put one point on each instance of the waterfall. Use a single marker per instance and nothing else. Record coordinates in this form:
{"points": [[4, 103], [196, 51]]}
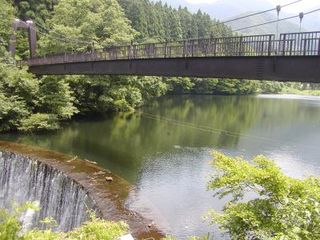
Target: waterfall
{"points": [[23, 179]]}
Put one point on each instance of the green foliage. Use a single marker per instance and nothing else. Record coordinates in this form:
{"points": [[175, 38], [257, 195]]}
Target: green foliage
{"points": [[17, 95], [9, 222], [225, 86], [39, 122], [179, 85], [283, 207], [9, 226], [211, 86], [100, 94], [270, 87], [37, 10], [86, 22], [301, 88], [56, 98], [94, 229], [29, 104], [160, 21], [205, 86], [6, 19], [98, 229], [235, 87]]}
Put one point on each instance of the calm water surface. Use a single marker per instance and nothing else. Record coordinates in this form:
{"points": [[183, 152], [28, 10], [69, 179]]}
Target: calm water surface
{"points": [[164, 149]]}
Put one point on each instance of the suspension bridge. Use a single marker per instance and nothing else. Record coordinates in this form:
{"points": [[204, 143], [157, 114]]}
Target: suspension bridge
{"points": [[291, 57]]}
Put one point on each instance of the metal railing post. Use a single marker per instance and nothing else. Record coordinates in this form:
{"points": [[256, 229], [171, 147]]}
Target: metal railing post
{"points": [[165, 49], [192, 48], [129, 51], [319, 46], [269, 45], [240, 46], [304, 47], [284, 44], [291, 42]]}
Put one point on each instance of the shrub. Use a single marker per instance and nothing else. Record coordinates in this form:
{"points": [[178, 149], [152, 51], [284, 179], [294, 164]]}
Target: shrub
{"points": [[284, 207]]}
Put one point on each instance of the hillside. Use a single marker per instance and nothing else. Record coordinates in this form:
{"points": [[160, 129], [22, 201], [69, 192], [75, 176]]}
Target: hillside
{"points": [[223, 9], [227, 9]]}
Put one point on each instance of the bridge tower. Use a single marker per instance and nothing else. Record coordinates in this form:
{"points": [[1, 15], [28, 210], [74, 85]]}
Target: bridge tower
{"points": [[32, 36]]}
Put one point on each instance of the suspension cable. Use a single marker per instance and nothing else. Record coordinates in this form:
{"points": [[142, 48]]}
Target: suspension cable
{"points": [[258, 13], [278, 20]]}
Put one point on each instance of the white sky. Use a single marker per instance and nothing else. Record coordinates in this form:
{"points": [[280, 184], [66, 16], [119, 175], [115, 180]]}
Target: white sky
{"points": [[304, 5]]}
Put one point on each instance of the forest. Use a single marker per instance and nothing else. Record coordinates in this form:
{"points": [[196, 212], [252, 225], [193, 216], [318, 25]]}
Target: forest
{"points": [[30, 103]]}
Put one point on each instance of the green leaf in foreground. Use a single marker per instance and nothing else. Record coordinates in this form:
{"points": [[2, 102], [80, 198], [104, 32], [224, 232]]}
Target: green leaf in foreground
{"points": [[279, 207]]}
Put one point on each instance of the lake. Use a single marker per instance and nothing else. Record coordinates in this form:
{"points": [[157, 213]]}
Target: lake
{"points": [[164, 149]]}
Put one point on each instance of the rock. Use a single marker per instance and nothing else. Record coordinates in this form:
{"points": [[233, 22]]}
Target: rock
{"points": [[109, 179], [150, 224]]}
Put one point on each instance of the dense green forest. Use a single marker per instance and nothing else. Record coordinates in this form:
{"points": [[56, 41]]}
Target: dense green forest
{"points": [[28, 103]]}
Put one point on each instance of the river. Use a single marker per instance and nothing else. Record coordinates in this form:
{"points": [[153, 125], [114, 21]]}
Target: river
{"points": [[164, 148]]}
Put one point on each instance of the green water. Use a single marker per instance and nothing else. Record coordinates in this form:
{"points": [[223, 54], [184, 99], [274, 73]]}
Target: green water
{"points": [[164, 148]]}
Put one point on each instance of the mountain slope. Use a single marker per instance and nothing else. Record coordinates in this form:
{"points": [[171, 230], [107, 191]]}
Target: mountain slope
{"points": [[227, 9], [223, 9], [284, 26]]}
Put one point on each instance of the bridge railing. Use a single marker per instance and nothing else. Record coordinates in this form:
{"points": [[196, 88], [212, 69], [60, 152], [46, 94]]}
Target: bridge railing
{"points": [[289, 44], [306, 44]]}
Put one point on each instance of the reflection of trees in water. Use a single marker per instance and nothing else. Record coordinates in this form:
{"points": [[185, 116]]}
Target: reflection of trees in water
{"points": [[122, 142]]}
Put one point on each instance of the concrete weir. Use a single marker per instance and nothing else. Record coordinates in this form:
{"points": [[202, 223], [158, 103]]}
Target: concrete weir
{"points": [[66, 187]]}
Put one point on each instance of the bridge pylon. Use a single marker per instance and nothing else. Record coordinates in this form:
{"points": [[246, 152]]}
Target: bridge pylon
{"points": [[32, 36]]}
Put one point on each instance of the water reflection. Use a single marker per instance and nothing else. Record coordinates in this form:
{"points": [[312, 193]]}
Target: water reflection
{"points": [[164, 148]]}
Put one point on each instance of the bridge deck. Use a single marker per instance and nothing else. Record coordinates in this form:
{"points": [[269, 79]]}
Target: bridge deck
{"points": [[292, 57]]}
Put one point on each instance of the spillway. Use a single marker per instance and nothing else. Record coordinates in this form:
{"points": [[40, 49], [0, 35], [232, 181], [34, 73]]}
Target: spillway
{"points": [[23, 179], [65, 188]]}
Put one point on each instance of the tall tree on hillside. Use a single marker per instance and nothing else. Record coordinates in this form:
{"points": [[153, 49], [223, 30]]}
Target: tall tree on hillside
{"points": [[6, 19], [36, 10], [189, 29], [78, 23]]}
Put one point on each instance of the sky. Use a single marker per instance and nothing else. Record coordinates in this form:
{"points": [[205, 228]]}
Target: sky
{"points": [[304, 5]]}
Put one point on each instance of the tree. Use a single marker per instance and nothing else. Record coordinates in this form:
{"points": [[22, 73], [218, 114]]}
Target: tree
{"points": [[78, 24], [18, 97], [271, 87], [36, 10], [6, 20], [279, 207]]}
